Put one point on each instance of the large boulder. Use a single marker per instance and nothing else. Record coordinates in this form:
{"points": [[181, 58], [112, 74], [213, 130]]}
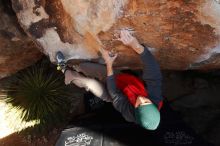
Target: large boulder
{"points": [[182, 34], [17, 49]]}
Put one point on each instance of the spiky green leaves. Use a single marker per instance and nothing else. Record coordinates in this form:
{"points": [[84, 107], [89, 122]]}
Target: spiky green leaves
{"points": [[40, 93]]}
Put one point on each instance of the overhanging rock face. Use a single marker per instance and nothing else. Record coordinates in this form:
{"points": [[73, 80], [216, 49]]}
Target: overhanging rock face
{"points": [[182, 34], [17, 50]]}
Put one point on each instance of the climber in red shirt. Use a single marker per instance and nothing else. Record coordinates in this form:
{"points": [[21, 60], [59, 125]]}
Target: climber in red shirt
{"points": [[136, 102]]}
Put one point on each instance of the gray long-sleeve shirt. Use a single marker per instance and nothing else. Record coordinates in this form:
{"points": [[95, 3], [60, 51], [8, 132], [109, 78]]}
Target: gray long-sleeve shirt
{"points": [[152, 77]]}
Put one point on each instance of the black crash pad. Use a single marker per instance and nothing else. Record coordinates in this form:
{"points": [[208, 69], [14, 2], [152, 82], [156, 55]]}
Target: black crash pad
{"points": [[106, 127]]}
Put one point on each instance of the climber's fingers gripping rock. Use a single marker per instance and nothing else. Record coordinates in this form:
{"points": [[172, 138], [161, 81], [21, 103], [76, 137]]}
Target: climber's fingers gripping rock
{"points": [[108, 56], [127, 39]]}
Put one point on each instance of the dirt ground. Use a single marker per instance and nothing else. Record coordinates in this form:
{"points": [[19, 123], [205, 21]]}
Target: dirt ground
{"points": [[26, 140]]}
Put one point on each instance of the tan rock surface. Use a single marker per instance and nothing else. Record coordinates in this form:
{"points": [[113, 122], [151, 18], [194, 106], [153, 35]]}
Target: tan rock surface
{"points": [[182, 34], [17, 51]]}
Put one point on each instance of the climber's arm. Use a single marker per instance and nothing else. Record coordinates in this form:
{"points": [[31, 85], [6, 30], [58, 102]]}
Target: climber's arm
{"points": [[120, 102], [151, 71], [152, 76]]}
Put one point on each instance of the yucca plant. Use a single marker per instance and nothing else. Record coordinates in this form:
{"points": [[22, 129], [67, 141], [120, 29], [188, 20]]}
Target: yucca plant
{"points": [[40, 93]]}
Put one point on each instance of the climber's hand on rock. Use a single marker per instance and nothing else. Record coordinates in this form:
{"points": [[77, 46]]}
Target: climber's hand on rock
{"points": [[108, 56], [127, 39]]}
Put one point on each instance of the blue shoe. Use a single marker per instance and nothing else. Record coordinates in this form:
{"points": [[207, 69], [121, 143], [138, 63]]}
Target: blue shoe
{"points": [[60, 57], [61, 63]]}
